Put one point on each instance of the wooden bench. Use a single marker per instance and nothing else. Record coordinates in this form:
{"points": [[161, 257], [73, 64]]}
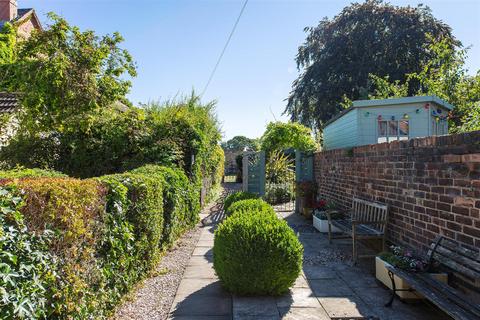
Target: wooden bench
{"points": [[367, 220], [464, 262]]}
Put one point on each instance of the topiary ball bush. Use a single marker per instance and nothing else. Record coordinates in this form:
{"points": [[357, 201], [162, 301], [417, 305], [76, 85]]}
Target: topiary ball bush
{"points": [[237, 196], [250, 205], [256, 253]]}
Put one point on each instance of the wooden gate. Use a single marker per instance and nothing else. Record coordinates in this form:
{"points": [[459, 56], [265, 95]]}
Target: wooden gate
{"points": [[254, 172]]}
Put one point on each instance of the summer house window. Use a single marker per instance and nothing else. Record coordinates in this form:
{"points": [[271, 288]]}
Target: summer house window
{"points": [[392, 130]]}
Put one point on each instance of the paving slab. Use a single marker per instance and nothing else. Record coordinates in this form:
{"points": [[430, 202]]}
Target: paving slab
{"points": [[200, 260], [318, 272], [200, 272], [205, 243], [330, 288], [346, 307], [201, 305], [298, 297], [200, 317], [303, 314], [301, 282], [202, 251], [357, 279], [209, 287], [244, 307]]}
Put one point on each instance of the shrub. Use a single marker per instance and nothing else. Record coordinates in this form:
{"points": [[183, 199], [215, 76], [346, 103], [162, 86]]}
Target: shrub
{"points": [[256, 253], [74, 210], [279, 193], [250, 205], [181, 201], [20, 172], [28, 270], [237, 196]]}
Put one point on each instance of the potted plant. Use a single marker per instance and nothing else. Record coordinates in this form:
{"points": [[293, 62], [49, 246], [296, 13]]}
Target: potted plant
{"points": [[320, 220], [403, 259], [306, 192]]}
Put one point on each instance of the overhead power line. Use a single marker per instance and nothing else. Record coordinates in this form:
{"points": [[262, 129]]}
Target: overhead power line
{"points": [[224, 48]]}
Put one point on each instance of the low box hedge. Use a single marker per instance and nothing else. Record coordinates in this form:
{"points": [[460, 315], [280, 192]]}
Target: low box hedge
{"points": [[237, 196], [250, 205]]}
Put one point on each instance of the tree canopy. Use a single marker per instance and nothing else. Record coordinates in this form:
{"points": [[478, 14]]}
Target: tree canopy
{"points": [[280, 136], [64, 74], [239, 143], [338, 55], [445, 76]]}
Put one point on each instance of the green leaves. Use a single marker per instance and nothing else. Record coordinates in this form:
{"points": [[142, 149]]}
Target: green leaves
{"points": [[27, 270], [66, 75], [281, 136]]}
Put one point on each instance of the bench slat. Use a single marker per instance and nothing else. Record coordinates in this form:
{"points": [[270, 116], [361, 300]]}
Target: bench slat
{"points": [[462, 261], [437, 295], [468, 253]]}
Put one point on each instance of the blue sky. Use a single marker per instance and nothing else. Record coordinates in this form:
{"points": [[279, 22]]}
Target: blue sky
{"points": [[176, 44]]}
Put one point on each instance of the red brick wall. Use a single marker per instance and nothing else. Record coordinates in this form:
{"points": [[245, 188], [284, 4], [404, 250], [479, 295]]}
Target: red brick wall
{"points": [[431, 184]]}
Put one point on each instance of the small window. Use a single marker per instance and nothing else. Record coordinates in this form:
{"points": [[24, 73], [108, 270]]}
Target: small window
{"points": [[392, 130], [439, 127]]}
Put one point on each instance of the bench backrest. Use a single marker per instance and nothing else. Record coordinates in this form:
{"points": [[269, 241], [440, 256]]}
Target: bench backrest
{"points": [[458, 258], [363, 210]]}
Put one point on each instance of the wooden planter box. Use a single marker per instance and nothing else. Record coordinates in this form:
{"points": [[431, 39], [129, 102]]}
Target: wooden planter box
{"points": [[381, 274], [322, 225]]}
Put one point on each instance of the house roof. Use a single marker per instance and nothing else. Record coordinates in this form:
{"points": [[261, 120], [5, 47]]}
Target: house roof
{"points": [[391, 102], [8, 102], [23, 14]]}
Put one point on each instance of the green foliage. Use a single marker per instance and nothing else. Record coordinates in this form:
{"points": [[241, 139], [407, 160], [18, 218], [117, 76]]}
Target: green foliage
{"points": [[277, 193], [280, 168], [20, 172], [65, 76], [8, 39], [237, 196], [445, 76], [256, 254], [367, 37], [27, 269], [281, 136], [250, 205], [239, 143], [181, 201]]}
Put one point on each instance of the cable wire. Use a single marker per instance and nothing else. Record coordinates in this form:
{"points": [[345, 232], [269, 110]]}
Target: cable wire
{"points": [[224, 48]]}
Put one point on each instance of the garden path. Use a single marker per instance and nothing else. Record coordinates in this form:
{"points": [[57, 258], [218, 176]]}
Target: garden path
{"points": [[329, 287]]}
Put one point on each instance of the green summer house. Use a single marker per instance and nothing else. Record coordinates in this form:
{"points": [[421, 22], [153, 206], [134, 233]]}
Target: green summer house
{"points": [[386, 120]]}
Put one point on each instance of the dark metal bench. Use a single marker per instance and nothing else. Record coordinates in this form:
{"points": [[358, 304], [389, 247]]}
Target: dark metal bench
{"points": [[455, 258], [367, 220]]}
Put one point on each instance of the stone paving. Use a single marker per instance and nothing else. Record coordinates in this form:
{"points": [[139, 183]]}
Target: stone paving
{"points": [[326, 289]]}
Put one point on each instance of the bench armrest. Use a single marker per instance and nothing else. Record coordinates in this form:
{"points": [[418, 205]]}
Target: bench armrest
{"points": [[329, 214]]}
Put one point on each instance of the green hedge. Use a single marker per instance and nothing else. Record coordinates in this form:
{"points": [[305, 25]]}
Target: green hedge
{"points": [[250, 205], [21, 172], [93, 239], [237, 196], [255, 253]]}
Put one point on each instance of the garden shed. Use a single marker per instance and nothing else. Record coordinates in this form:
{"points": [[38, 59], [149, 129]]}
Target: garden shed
{"points": [[386, 120]]}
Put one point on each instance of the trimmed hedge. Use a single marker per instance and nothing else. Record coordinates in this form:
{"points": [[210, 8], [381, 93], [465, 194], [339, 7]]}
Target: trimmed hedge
{"points": [[255, 253], [89, 240], [237, 196], [21, 172], [250, 205]]}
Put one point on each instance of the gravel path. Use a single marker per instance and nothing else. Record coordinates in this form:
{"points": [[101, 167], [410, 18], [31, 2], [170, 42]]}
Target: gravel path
{"points": [[155, 296]]}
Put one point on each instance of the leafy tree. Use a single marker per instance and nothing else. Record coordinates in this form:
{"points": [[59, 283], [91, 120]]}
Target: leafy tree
{"points": [[445, 76], [339, 54], [280, 136], [239, 143], [65, 76], [7, 43]]}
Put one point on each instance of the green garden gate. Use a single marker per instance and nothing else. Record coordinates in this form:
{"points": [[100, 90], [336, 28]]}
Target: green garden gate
{"points": [[254, 172], [254, 178]]}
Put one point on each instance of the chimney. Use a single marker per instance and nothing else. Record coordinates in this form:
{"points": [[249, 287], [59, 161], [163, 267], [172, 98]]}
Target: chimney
{"points": [[8, 10]]}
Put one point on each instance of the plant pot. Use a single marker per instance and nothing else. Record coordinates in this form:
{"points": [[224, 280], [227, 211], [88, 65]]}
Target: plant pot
{"points": [[322, 225], [381, 273], [307, 212]]}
